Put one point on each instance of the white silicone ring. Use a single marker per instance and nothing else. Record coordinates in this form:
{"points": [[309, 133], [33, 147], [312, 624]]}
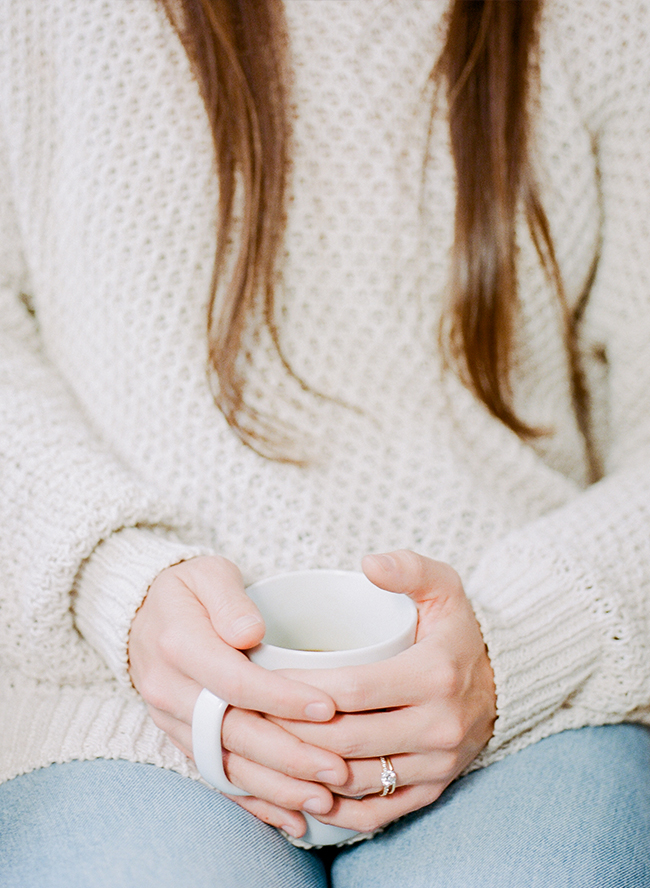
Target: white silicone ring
{"points": [[207, 719]]}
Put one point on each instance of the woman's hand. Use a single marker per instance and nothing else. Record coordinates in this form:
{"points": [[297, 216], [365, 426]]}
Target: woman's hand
{"points": [[431, 709], [188, 635]]}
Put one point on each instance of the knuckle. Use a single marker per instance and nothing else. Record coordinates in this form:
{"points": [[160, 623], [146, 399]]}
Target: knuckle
{"points": [[346, 747], [293, 795], [354, 788], [234, 738], [157, 717], [300, 765], [296, 770], [225, 610], [447, 680], [450, 577], [270, 817], [368, 821], [153, 691], [233, 688], [355, 696], [212, 567], [447, 766], [229, 762], [451, 732], [171, 644], [413, 563], [202, 564]]}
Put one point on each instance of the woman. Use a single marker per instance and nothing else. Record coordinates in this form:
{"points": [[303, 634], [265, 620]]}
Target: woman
{"points": [[426, 333]]}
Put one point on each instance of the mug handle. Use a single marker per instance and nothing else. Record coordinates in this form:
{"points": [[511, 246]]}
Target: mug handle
{"points": [[207, 719]]}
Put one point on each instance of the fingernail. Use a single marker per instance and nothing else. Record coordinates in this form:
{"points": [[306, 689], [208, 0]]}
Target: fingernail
{"points": [[313, 806], [327, 777], [292, 830], [317, 711], [243, 624], [385, 561]]}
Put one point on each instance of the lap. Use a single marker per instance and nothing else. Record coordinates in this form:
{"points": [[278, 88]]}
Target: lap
{"points": [[102, 824], [572, 810]]}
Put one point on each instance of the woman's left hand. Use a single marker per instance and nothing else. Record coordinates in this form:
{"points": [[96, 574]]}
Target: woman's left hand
{"points": [[431, 709]]}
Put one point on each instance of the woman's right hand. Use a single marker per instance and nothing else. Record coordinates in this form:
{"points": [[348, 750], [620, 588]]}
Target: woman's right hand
{"points": [[188, 635]]}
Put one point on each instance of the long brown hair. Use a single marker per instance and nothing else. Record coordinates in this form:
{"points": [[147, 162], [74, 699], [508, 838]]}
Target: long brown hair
{"points": [[488, 70]]}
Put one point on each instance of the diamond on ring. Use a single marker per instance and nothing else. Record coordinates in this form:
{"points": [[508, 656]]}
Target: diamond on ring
{"points": [[388, 776]]}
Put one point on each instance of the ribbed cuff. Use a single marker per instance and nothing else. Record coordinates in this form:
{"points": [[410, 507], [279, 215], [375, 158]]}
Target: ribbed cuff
{"points": [[545, 641], [113, 583]]}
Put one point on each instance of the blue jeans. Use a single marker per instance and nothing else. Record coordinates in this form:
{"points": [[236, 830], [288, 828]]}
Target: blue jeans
{"points": [[572, 810]]}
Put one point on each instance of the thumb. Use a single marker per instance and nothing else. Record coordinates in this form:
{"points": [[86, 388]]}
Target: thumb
{"points": [[218, 585], [422, 579]]}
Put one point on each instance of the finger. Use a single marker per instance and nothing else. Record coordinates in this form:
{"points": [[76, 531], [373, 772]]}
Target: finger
{"points": [[264, 783], [229, 674], [370, 734], [179, 733], [385, 685], [248, 686], [218, 585], [410, 770], [251, 736], [291, 822], [375, 811], [295, 794], [414, 575]]}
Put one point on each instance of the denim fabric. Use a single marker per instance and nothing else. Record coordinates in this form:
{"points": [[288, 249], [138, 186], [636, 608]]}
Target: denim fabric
{"points": [[572, 810]]}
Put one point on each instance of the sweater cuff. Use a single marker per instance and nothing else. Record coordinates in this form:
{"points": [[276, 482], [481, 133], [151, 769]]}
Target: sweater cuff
{"points": [[112, 584], [544, 640]]}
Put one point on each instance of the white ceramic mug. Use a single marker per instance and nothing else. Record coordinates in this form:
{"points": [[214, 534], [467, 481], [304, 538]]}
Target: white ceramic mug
{"points": [[315, 619]]}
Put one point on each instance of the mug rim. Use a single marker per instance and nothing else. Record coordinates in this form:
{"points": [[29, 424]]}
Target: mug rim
{"points": [[320, 659]]}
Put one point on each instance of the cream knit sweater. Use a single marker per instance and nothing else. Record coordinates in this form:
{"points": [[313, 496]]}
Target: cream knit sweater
{"points": [[115, 462]]}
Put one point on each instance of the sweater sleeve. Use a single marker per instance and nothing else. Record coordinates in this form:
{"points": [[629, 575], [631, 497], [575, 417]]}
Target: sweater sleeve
{"points": [[564, 603], [82, 537]]}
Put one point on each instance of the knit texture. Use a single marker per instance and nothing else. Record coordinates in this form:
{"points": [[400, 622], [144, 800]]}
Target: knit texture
{"points": [[115, 462]]}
